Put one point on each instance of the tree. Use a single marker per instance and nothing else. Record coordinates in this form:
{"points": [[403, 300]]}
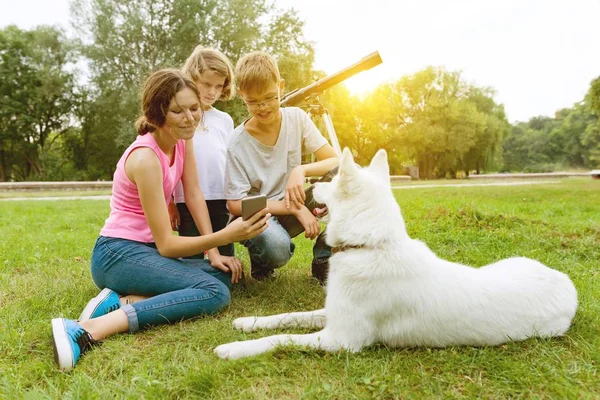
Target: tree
{"points": [[570, 139], [37, 97], [591, 136], [446, 124], [592, 97], [126, 39], [433, 119]]}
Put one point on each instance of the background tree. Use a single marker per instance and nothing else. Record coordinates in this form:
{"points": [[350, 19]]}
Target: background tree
{"points": [[37, 97], [592, 97], [53, 128], [433, 119], [442, 123], [569, 140], [591, 136], [126, 39]]}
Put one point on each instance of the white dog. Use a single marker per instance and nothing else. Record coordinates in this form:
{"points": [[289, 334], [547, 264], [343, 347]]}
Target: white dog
{"points": [[384, 287]]}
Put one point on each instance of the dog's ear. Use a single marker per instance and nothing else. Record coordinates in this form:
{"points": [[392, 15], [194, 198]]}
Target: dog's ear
{"points": [[379, 165], [347, 167]]}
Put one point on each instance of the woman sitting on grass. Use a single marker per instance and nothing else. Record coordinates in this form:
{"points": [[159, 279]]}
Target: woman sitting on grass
{"points": [[137, 256]]}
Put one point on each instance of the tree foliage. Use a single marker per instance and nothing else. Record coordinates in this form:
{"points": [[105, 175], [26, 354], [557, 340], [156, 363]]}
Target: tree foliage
{"points": [[433, 119], [52, 127], [126, 39], [37, 97], [570, 139]]}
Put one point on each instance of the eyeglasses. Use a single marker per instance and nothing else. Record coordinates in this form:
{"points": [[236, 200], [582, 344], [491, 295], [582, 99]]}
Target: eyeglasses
{"points": [[254, 105]]}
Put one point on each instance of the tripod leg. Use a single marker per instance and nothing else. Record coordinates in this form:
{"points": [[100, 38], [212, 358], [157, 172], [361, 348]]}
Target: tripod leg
{"points": [[331, 133]]}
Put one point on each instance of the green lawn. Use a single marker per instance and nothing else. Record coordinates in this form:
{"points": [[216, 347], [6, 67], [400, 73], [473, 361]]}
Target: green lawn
{"points": [[53, 193], [44, 273]]}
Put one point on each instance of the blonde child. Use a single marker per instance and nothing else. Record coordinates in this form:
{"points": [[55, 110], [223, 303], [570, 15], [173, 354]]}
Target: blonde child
{"points": [[213, 74]]}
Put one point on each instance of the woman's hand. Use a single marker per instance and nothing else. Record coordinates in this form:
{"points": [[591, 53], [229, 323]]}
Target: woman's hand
{"points": [[174, 215], [226, 264], [308, 221], [294, 188], [239, 229]]}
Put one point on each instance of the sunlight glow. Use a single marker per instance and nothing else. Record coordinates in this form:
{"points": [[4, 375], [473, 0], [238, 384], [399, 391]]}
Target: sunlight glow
{"points": [[365, 82]]}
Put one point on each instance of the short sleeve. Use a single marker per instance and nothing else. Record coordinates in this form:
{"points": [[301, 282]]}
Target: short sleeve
{"points": [[237, 183], [228, 124], [312, 139]]}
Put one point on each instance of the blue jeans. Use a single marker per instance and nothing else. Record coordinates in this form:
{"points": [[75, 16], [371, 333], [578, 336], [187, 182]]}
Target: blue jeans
{"points": [[273, 248], [177, 289]]}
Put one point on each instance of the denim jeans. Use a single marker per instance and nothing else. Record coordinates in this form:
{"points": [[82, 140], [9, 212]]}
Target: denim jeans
{"points": [[177, 289], [273, 248], [219, 216]]}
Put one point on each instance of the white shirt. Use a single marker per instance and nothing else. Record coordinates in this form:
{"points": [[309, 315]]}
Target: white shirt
{"points": [[254, 168], [210, 151]]}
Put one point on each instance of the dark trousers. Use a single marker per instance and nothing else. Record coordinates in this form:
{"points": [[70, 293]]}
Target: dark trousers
{"points": [[219, 216]]}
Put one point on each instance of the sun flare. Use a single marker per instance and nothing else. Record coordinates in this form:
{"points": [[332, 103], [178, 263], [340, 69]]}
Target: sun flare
{"points": [[367, 81]]}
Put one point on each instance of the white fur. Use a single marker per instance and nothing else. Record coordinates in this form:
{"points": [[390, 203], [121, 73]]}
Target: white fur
{"points": [[396, 291]]}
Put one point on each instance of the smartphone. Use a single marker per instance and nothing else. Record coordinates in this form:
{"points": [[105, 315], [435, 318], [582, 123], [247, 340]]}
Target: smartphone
{"points": [[253, 204]]}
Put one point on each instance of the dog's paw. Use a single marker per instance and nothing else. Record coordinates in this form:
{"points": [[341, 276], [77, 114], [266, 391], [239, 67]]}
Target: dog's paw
{"points": [[247, 324], [229, 351], [235, 350]]}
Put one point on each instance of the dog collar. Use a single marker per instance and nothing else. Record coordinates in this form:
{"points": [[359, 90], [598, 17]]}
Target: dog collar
{"points": [[338, 249]]}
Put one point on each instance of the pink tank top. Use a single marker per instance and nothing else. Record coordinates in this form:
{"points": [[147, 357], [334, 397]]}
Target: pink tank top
{"points": [[127, 219]]}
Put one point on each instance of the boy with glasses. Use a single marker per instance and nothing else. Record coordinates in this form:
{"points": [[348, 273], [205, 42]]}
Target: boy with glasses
{"points": [[264, 157]]}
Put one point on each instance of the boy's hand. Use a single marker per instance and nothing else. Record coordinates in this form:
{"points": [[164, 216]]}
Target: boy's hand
{"points": [[294, 188], [174, 216], [308, 221]]}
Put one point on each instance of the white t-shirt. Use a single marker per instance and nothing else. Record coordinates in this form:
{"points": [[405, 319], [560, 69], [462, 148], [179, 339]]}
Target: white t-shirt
{"points": [[210, 151], [254, 168]]}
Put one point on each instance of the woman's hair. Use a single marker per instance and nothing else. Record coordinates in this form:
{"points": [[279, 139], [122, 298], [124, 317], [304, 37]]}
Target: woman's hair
{"points": [[209, 59], [158, 91]]}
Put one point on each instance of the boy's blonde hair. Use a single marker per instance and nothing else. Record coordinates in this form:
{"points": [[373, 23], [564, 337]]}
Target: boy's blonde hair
{"points": [[209, 59], [255, 71]]}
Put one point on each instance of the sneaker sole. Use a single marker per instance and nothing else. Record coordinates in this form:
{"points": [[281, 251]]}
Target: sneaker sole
{"points": [[63, 353], [93, 304]]}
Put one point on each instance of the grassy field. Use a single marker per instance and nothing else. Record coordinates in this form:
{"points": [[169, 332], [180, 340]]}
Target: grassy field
{"points": [[53, 193], [44, 273]]}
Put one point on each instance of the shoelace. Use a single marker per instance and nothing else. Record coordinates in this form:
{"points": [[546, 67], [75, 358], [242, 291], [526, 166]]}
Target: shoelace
{"points": [[113, 307], [85, 340]]}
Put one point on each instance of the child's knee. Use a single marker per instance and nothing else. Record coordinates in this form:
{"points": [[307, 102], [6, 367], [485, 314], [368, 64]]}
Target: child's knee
{"points": [[277, 259], [272, 249], [277, 253]]}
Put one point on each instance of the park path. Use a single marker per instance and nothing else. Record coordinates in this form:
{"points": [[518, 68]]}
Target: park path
{"points": [[399, 187], [520, 183]]}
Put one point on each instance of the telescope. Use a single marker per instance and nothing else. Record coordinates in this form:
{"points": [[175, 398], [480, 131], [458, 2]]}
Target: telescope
{"points": [[310, 94], [297, 96]]}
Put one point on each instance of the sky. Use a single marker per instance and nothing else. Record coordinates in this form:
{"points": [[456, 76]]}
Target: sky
{"points": [[538, 55]]}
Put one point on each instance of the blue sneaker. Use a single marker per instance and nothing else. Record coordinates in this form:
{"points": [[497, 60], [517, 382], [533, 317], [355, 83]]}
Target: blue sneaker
{"points": [[70, 342], [107, 301]]}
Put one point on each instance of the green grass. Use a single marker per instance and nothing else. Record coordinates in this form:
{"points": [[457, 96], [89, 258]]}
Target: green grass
{"points": [[44, 273], [53, 193]]}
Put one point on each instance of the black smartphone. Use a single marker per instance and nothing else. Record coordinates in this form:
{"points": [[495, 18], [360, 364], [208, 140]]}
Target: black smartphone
{"points": [[253, 204]]}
